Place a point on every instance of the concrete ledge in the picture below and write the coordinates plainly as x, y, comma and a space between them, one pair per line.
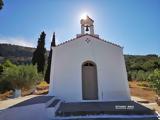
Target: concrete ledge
35, 100
51, 110
110, 117
97, 108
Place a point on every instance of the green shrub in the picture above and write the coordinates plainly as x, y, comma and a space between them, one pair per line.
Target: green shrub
22, 76
7, 63
154, 80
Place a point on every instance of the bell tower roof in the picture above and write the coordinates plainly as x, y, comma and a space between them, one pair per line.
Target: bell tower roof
87, 22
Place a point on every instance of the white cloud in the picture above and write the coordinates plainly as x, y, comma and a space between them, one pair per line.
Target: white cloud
17, 41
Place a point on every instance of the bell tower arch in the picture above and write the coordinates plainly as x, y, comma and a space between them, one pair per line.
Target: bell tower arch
87, 26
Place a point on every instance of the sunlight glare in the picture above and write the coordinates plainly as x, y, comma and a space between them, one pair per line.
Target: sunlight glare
84, 16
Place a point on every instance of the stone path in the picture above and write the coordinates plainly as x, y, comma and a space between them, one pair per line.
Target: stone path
10, 102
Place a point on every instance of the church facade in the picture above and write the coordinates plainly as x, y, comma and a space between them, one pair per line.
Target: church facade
88, 68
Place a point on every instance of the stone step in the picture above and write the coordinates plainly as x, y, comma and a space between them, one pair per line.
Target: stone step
54, 103
52, 108
35, 100
108, 117
100, 108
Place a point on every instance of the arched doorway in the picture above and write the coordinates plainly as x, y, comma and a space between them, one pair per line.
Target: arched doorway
89, 81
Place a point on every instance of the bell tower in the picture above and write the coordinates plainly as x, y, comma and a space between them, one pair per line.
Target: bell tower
87, 26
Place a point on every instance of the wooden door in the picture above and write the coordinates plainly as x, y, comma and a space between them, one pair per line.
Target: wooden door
89, 81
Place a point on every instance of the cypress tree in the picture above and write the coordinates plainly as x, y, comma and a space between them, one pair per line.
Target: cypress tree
47, 74
39, 54
1, 4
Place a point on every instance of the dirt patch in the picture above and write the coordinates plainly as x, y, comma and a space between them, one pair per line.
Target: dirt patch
141, 90
41, 89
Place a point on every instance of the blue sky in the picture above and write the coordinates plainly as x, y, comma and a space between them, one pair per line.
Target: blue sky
133, 24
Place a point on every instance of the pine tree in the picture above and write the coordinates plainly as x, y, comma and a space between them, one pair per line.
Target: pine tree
47, 74
39, 54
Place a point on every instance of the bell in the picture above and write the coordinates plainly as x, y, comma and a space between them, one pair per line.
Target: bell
87, 28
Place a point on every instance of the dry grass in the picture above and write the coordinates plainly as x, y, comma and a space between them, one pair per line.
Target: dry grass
5, 95
41, 88
141, 90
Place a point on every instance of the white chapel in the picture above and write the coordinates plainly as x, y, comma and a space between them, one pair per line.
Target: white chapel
88, 80
88, 68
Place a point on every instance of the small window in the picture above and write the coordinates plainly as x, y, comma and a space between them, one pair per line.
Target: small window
88, 64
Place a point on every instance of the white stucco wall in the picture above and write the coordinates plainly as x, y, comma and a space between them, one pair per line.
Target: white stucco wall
66, 74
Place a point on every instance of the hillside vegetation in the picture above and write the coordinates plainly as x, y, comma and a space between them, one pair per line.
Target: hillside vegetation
138, 66
17, 54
